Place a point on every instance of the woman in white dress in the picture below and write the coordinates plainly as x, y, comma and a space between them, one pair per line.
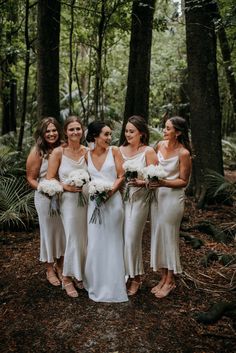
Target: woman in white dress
104, 270
52, 237
64, 160
174, 155
136, 149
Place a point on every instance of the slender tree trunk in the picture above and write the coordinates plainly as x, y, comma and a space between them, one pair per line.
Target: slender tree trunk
26, 75
205, 114
228, 66
48, 58
71, 55
137, 95
78, 85
98, 77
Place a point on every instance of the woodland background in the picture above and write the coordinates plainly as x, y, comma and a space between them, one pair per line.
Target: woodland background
108, 60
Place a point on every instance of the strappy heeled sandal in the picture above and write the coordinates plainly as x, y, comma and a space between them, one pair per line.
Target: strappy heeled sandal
134, 287
70, 289
58, 271
53, 279
165, 290
156, 288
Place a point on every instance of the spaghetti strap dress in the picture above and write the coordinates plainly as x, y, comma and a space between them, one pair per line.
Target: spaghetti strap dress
166, 214
74, 218
136, 214
52, 236
104, 270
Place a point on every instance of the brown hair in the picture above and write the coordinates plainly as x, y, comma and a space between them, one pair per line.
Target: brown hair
140, 123
41, 144
180, 124
72, 119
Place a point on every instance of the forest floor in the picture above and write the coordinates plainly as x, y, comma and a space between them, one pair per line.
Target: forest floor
37, 317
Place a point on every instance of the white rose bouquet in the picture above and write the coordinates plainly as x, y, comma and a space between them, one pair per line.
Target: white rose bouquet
79, 177
132, 171
53, 190
153, 173
98, 192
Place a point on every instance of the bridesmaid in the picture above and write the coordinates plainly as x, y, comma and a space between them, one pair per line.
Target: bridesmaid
64, 160
52, 237
174, 154
135, 148
104, 270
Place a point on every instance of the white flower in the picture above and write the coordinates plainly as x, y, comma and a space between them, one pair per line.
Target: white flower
153, 172
78, 178
131, 166
50, 187
99, 186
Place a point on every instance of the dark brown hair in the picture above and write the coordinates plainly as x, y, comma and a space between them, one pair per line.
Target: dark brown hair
94, 130
180, 124
140, 123
41, 144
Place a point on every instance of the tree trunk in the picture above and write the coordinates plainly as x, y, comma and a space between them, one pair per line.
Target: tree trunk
205, 114
137, 94
228, 66
26, 75
71, 55
48, 58
8, 83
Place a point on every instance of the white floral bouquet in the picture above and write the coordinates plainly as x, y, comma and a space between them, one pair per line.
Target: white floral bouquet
79, 178
53, 190
98, 192
132, 171
152, 173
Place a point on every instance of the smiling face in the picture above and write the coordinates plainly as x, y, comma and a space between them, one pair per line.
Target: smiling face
104, 138
170, 133
51, 135
74, 131
132, 134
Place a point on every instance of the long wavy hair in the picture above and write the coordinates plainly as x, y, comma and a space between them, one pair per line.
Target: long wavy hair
41, 144
140, 123
72, 119
180, 124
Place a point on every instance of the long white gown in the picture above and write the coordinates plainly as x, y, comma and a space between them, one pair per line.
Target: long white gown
104, 270
166, 216
52, 236
74, 219
136, 214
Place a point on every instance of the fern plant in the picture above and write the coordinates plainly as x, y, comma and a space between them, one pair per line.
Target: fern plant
17, 203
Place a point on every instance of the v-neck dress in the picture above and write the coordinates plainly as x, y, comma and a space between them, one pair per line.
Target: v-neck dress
104, 269
74, 218
136, 214
52, 236
166, 214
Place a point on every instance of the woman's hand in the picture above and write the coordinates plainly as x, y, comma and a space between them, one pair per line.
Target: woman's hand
136, 182
71, 188
155, 184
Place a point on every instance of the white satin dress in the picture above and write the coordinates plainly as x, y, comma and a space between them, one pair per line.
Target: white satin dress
136, 214
74, 219
52, 236
104, 270
166, 215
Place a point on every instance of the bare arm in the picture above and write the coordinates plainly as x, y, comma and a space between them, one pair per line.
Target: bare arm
33, 165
